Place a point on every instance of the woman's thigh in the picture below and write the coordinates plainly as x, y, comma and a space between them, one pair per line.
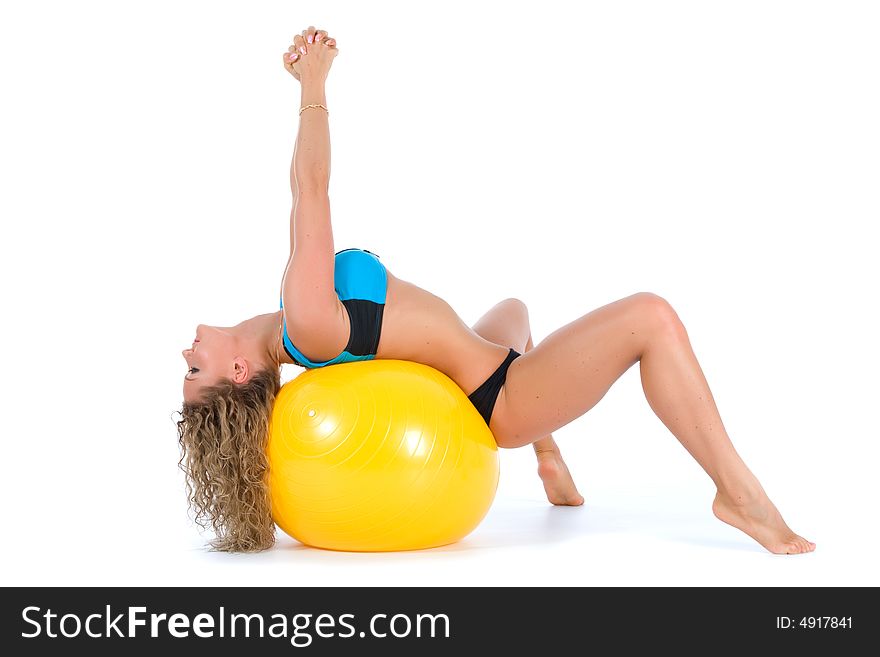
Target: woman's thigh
570, 370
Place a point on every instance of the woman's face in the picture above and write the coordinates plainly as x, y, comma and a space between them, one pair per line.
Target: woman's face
211, 357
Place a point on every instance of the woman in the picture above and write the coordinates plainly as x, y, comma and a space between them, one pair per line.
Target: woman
345, 306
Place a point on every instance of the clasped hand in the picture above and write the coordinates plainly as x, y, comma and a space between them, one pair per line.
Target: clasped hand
311, 55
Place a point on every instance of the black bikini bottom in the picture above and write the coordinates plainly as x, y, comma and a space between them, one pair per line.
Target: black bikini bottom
484, 397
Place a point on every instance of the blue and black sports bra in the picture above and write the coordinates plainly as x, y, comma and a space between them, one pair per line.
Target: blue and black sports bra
361, 283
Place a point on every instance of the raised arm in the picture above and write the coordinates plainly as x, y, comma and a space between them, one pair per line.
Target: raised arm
308, 280
310, 165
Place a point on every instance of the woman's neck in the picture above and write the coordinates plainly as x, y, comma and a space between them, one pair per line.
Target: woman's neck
266, 331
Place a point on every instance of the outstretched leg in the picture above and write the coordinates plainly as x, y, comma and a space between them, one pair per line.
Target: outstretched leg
507, 324
568, 372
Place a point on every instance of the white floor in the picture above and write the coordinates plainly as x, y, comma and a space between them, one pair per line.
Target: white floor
616, 539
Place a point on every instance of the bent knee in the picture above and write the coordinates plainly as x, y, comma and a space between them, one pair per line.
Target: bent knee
513, 301
515, 305
658, 313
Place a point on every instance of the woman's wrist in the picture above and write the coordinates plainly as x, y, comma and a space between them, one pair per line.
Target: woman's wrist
313, 92
313, 82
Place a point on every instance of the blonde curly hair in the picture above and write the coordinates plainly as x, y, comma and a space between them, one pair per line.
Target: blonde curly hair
223, 440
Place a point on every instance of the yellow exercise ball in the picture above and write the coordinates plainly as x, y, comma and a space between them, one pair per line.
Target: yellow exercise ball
379, 455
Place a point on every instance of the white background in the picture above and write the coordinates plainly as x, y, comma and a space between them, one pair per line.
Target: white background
722, 155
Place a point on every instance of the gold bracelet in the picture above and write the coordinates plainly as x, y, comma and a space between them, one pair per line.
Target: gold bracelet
305, 107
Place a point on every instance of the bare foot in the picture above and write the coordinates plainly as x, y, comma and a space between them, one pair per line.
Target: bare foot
558, 483
761, 520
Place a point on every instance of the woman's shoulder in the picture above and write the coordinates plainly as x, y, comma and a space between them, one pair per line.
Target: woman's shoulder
321, 340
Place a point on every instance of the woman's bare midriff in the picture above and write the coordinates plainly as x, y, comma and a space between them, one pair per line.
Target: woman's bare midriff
416, 326
421, 327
